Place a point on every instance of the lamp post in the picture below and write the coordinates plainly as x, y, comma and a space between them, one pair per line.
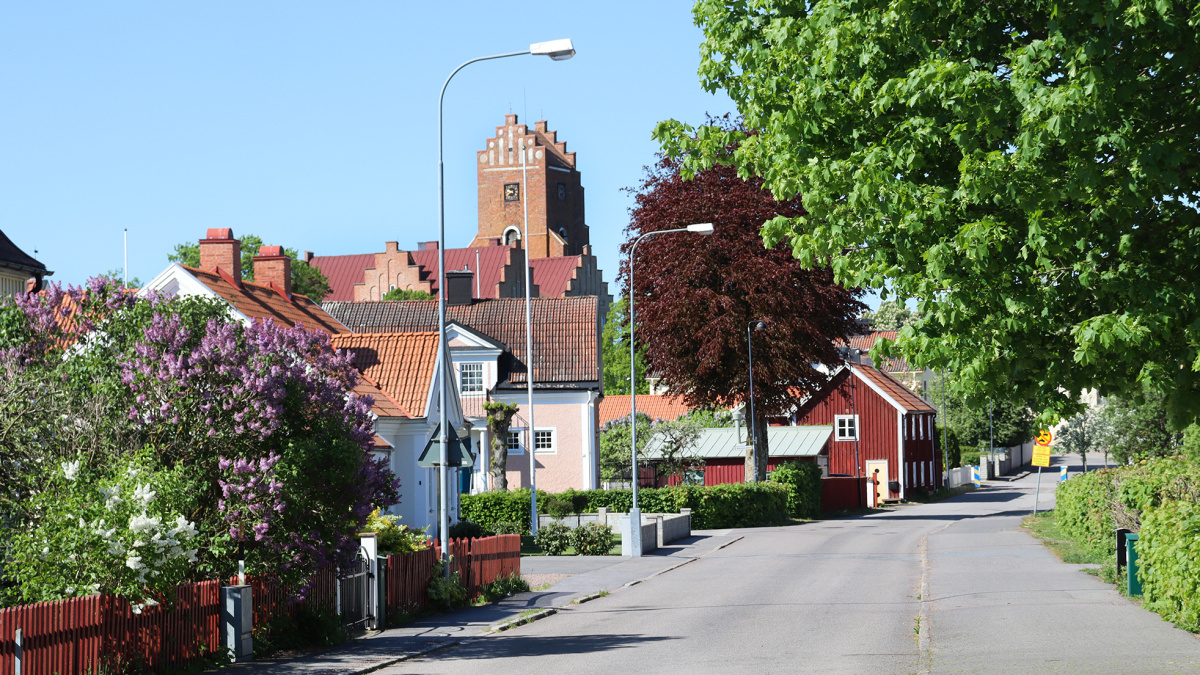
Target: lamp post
635, 514
752, 466
558, 50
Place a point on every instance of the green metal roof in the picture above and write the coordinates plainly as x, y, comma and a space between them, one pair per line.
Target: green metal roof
723, 443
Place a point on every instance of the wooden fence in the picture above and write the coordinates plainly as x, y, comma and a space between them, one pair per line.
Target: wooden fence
478, 561
98, 632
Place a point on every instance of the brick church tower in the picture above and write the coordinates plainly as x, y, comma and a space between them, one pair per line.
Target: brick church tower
554, 192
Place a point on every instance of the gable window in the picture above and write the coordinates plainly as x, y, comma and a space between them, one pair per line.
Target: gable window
544, 440
470, 378
845, 427
514, 442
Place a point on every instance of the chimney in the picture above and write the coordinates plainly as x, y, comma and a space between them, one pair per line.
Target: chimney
272, 266
427, 246
459, 287
308, 256
220, 249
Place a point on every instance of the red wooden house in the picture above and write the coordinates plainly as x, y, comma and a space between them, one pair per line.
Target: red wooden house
881, 430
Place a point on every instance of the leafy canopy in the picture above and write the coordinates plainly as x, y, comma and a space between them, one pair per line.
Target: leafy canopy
1026, 171
615, 347
696, 295
306, 279
397, 294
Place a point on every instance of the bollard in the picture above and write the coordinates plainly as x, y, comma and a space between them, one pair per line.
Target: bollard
1121, 532
631, 533
1133, 584
18, 654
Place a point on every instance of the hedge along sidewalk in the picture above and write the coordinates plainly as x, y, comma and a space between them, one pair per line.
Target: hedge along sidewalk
713, 506
446, 630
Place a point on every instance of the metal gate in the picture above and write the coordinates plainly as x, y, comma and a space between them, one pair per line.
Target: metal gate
354, 592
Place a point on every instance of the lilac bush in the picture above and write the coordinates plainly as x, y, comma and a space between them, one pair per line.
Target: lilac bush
262, 416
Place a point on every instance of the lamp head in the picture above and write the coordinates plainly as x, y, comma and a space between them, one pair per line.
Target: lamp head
701, 228
558, 50
759, 325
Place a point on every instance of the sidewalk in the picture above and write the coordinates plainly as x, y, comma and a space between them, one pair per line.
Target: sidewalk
587, 575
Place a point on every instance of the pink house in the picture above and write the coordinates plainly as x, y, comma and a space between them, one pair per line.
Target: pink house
490, 362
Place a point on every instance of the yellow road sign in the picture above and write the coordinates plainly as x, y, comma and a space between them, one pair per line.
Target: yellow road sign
1041, 455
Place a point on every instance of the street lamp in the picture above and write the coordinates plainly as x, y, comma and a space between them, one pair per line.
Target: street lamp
558, 50
635, 514
750, 328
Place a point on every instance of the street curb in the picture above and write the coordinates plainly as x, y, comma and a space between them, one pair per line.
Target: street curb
408, 657
522, 620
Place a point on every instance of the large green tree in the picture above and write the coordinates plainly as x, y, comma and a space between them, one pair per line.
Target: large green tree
1026, 170
615, 347
306, 279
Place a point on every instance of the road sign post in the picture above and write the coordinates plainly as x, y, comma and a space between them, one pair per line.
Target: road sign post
1041, 458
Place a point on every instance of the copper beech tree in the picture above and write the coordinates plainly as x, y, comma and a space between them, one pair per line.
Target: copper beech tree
697, 294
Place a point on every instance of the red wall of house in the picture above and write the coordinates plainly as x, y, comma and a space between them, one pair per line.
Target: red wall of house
732, 470
877, 435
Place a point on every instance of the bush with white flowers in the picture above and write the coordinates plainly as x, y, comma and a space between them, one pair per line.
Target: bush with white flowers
120, 529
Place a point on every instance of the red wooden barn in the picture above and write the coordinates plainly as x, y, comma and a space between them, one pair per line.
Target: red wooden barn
891, 428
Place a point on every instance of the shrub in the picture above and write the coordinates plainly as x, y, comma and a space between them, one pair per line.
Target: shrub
508, 527
1169, 553
593, 539
490, 508
804, 479
446, 591
394, 538
465, 529
1085, 509
553, 538
503, 587
559, 508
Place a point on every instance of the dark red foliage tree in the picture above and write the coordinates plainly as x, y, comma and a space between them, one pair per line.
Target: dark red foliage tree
697, 294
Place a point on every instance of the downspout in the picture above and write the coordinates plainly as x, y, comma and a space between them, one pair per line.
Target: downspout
900, 445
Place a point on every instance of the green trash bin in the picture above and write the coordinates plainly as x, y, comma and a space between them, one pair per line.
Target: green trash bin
1133, 584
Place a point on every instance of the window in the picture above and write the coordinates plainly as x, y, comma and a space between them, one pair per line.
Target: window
512, 192
846, 427
470, 378
562, 192
544, 440
514, 442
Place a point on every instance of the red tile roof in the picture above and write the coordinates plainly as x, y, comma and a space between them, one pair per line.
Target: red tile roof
343, 271
384, 406
655, 407
402, 364
490, 269
553, 275
866, 342
895, 389
257, 301
566, 337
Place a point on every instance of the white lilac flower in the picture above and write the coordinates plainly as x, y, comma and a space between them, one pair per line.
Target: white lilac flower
70, 469
191, 555
133, 472
184, 527
82, 524
134, 562
115, 548
144, 523
94, 588
46, 551
144, 494
112, 497
70, 590
136, 609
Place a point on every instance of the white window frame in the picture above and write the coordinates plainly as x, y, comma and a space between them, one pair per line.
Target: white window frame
462, 378
520, 434
553, 431
837, 427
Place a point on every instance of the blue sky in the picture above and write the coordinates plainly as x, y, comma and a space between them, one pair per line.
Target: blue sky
313, 125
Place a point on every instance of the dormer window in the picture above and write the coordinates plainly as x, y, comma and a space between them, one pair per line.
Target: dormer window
470, 378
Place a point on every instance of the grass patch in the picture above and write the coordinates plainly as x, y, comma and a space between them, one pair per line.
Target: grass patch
1044, 526
530, 548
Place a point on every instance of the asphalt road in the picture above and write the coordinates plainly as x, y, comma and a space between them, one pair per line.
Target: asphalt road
947, 587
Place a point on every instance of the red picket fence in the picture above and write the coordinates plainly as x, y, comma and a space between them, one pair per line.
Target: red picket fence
83, 634
478, 562
274, 600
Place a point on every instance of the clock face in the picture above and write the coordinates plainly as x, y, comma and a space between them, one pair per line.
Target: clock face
512, 192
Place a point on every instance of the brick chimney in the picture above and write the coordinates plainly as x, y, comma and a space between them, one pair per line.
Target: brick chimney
272, 266
220, 249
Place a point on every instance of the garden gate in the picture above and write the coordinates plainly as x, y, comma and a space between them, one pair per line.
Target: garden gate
354, 592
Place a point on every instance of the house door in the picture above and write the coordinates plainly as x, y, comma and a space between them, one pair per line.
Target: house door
877, 473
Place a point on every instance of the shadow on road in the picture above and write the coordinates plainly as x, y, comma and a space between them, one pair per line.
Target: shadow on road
526, 645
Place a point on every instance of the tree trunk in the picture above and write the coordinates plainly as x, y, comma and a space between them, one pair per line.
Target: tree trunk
756, 459
500, 462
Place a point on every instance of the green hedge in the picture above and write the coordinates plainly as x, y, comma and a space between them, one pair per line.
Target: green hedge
1169, 560
713, 507
804, 479
1084, 506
